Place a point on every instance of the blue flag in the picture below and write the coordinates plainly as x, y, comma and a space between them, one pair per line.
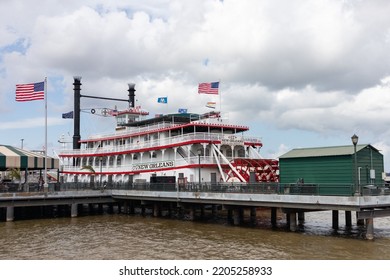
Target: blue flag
162, 100
68, 115
182, 111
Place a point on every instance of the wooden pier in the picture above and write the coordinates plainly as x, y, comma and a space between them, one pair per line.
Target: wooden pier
235, 200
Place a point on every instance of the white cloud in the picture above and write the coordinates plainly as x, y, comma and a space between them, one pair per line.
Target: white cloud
314, 66
282, 149
30, 123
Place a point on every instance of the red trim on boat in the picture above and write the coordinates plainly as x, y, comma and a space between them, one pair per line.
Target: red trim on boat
144, 171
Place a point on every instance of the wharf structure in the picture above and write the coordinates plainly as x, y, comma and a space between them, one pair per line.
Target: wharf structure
292, 200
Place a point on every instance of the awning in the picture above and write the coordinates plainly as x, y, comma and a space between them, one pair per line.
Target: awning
12, 157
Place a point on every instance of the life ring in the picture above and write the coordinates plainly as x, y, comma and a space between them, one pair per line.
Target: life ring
93, 111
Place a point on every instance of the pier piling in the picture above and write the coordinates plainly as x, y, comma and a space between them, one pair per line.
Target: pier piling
10, 213
301, 218
370, 228
74, 210
293, 221
253, 215
348, 218
273, 216
335, 219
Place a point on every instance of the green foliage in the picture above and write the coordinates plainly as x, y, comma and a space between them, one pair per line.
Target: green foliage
14, 173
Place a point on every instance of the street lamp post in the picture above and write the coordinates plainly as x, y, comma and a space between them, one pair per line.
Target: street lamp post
101, 169
200, 180
355, 140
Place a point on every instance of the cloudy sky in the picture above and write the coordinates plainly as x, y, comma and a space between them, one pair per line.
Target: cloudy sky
300, 73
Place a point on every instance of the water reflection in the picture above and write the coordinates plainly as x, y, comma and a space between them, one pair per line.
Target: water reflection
136, 237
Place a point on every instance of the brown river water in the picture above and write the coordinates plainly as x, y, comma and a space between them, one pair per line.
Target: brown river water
136, 237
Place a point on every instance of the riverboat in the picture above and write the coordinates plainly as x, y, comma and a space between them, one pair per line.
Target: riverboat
172, 148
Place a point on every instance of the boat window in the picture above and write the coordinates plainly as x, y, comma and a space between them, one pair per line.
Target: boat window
241, 152
121, 120
228, 152
111, 161
152, 155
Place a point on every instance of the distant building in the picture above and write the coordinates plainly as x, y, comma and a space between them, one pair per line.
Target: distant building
332, 165
386, 178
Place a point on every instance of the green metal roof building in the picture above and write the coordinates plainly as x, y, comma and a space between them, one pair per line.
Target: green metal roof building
332, 165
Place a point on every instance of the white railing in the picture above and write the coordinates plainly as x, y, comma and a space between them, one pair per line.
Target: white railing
134, 130
198, 136
148, 128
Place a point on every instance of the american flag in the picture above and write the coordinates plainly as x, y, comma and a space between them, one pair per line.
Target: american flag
29, 92
208, 88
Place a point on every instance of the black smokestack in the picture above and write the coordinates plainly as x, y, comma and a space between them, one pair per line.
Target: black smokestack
131, 91
76, 112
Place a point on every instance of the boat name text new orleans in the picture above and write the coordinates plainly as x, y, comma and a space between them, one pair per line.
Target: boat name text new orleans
153, 165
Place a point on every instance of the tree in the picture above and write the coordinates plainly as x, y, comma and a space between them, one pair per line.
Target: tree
14, 173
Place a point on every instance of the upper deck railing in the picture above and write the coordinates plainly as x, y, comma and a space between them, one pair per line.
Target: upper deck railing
150, 128
135, 130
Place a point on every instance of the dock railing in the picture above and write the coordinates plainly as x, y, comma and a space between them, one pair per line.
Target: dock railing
331, 189
258, 188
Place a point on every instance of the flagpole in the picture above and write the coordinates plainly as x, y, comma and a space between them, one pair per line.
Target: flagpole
220, 98
45, 185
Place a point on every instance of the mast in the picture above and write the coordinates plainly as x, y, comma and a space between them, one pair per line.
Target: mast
76, 113
131, 91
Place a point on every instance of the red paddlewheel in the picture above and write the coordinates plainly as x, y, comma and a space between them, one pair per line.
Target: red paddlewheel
266, 170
